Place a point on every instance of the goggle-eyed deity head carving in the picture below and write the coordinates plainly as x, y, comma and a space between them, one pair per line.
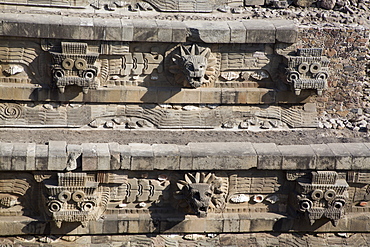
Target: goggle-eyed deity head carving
324, 195
72, 198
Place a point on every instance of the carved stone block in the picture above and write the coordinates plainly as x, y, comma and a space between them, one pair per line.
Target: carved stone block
57, 155
321, 195
307, 70
268, 154
290, 154
74, 65
260, 34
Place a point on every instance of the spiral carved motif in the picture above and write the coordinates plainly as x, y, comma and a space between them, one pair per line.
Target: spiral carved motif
10, 111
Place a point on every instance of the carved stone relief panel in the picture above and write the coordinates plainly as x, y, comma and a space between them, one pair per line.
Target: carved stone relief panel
93, 64
359, 190
149, 72
197, 6
189, 65
17, 192
192, 65
200, 192
75, 64
22, 62
51, 3
74, 197
257, 191
203, 6
187, 5
248, 65
308, 69
81, 198
156, 116
126, 64
320, 194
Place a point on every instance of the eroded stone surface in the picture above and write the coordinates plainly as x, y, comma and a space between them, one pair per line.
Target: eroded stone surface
143, 67
79, 195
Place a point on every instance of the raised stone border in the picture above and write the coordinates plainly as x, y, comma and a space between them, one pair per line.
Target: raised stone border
153, 95
172, 223
239, 240
114, 29
194, 156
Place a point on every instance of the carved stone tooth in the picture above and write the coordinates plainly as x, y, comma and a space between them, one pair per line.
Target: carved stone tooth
61, 89
58, 223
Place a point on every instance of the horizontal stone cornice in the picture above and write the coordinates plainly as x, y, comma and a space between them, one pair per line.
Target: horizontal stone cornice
148, 30
58, 156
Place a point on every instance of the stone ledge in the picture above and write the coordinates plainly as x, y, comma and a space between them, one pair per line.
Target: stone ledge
133, 94
58, 155
146, 223
115, 29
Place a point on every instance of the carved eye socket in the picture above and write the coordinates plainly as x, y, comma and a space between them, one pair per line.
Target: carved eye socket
64, 196
303, 68
196, 195
322, 76
54, 206
88, 206
315, 68
78, 196
80, 64
58, 73
189, 66
89, 74
67, 63
209, 194
338, 204
329, 195
305, 205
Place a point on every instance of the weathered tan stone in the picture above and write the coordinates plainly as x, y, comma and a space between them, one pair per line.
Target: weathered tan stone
115, 158
325, 158
260, 31
104, 157
297, 157
166, 157
142, 156
215, 156
342, 155
89, 157
57, 156
19, 156
269, 156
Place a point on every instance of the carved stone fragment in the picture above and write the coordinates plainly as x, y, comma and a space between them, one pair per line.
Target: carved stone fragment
321, 194
193, 65
16, 194
73, 197
308, 69
74, 64
199, 192
183, 5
